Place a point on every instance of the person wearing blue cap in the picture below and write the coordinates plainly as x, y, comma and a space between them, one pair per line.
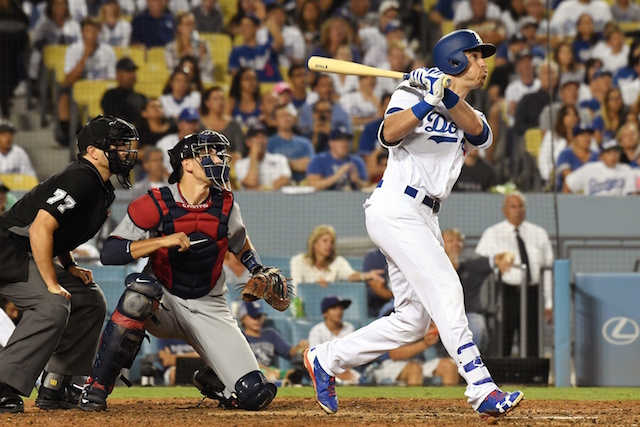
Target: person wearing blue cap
606, 177
576, 154
188, 123
336, 169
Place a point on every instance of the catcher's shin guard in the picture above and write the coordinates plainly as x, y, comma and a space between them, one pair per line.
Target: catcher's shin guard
124, 332
254, 392
206, 380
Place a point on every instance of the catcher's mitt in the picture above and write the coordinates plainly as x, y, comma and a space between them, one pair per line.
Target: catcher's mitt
269, 284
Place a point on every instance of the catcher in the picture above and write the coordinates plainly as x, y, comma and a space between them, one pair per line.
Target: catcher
186, 229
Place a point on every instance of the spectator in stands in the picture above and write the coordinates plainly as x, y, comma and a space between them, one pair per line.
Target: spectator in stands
629, 82
393, 34
505, 69
336, 169
293, 48
569, 13
297, 149
256, 8
398, 58
536, 9
606, 177
244, 98
54, 27
187, 42
268, 104
344, 83
528, 27
298, 83
13, 158
568, 67
531, 247
122, 101
585, 39
333, 327
613, 114
154, 27
628, 138
527, 112
4, 198
309, 21
189, 64
14, 40
490, 30
369, 147
625, 11
599, 82
262, 58
577, 154
512, 15
153, 165
178, 94
477, 174
336, 32
613, 52
322, 118
412, 364
262, 170
569, 90
473, 272
322, 265
213, 117
378, 293
188, 123
323, 89
363, 104
116, 31
266, 343
85, 59
562, 134
282, 92
628, 72
209, 17
154, 125
464, 11
169, 349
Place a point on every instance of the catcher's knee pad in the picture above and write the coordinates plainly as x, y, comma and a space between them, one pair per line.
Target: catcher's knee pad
124, 332
254, 392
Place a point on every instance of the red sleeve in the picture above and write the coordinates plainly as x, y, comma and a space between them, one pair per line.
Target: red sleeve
144, 212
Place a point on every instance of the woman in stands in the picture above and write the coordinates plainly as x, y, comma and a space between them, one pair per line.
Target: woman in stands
321, 263
187, 42
213, 117
569, 68
178, 94
116, 31
244, 98
613, 114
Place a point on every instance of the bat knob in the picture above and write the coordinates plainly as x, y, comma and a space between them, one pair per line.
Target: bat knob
405, 76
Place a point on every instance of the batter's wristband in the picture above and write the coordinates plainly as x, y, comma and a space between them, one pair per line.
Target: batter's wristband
71, 264
450, 99
251, 260
421, 109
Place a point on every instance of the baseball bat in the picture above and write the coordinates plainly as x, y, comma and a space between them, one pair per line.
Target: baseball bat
336, 66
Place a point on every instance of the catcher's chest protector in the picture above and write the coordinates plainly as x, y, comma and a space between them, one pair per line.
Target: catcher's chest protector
194, 272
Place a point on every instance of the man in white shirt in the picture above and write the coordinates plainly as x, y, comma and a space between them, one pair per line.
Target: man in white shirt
261, 169
85, 59
13, 158
526, 83
188, 123
607, 177
567, 13
531, 246
153, 165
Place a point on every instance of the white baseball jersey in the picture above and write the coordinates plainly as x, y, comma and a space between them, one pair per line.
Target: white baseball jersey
597, 179
431, 157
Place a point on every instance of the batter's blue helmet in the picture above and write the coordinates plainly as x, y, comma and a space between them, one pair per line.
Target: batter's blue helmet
449, 55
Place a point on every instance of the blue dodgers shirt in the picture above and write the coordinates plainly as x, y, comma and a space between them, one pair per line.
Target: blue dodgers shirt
269, 345
326, 165
296, 148
568, 160
153, 32
261, 58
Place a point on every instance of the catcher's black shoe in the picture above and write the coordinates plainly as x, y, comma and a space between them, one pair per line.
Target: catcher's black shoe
93, 399
65, 398
10, 400
211, 387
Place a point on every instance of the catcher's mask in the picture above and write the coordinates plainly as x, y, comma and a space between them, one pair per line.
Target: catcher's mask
113, 136
202, 146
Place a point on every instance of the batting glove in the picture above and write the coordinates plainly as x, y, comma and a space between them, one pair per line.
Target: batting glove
431, 80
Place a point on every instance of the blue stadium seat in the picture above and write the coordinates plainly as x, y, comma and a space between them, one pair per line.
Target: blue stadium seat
312, 295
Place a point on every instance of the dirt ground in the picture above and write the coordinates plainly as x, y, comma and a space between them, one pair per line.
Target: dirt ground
305, 412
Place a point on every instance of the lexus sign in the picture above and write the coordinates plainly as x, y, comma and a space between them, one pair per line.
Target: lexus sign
620, 330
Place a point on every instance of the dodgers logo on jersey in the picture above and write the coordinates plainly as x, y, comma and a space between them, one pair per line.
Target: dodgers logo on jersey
442, 130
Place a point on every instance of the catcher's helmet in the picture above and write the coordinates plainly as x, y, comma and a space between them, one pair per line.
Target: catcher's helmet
105, 133
201, 146
448, 53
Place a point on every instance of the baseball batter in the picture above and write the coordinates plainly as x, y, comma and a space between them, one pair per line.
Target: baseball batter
428, 130
186, 230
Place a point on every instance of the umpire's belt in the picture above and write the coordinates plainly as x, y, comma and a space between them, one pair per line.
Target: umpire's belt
412, 192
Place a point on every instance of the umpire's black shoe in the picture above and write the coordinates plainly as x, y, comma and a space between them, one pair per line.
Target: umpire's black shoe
93, 399
10, 400
65, 398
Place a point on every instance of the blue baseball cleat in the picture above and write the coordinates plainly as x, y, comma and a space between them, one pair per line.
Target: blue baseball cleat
323, 384
498, 403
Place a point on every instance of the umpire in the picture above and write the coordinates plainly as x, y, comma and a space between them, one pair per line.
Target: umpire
63, 309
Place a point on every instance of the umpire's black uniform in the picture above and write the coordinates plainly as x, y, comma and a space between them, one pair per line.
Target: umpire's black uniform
64, 333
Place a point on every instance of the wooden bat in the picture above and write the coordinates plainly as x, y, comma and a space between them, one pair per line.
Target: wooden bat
336, 66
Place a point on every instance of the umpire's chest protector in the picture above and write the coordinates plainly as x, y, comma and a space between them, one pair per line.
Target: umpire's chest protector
194, 272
